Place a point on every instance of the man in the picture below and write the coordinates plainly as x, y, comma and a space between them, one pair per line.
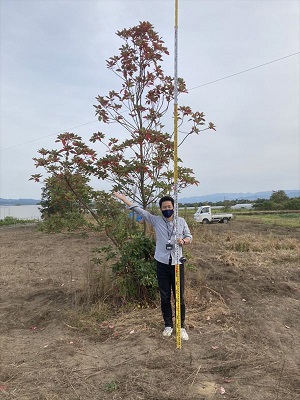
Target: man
165, 256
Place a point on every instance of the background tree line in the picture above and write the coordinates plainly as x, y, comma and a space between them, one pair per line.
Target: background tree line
278, 201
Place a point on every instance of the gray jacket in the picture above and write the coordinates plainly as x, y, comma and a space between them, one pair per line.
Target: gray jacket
165, 233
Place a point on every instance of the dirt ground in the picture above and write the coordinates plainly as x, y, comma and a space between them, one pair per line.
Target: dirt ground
243, 319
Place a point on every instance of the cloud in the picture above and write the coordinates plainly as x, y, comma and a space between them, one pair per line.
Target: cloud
53, 65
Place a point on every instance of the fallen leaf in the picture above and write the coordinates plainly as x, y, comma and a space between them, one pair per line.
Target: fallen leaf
2, 387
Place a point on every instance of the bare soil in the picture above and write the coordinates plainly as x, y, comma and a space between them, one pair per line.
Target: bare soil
243, 319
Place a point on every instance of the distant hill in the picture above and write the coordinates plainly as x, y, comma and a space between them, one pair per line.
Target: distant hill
214, 198
18, 202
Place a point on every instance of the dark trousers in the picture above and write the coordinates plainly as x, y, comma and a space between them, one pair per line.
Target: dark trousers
166, 284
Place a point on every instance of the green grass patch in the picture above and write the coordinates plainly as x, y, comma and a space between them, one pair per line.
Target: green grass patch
291, 220
111, 386
7, 221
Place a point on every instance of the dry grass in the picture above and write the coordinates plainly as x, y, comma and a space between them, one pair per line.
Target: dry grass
242, 295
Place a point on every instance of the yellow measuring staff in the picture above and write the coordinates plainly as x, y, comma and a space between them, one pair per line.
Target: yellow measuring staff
177, 265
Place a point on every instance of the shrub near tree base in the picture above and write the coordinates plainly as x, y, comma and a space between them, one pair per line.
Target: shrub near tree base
136, 268
131, 257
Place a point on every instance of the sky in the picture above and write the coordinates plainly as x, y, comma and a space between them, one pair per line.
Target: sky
53, 65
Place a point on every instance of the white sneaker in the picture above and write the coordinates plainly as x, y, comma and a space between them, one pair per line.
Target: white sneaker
183, 334
167, 331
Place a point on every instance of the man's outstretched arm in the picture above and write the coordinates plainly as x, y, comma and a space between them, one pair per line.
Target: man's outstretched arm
135, 207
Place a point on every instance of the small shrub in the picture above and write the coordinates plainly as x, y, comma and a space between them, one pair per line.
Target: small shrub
127, 272
136, 269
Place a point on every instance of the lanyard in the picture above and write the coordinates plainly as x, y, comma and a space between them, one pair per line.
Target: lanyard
168, 231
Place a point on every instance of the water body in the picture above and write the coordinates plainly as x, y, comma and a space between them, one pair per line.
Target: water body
20, 212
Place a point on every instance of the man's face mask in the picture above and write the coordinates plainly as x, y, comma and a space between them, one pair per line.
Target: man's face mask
167, 213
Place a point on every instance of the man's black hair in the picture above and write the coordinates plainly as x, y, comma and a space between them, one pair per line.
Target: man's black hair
166, 198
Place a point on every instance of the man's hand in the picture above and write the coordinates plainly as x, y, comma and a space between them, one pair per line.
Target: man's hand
123, 198
183, 241
119, 195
